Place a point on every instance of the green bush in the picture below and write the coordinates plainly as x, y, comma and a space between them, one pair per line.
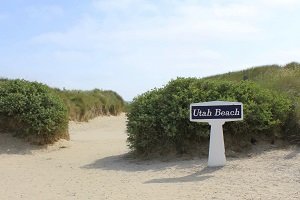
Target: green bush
158, 120
33, 111
284, 79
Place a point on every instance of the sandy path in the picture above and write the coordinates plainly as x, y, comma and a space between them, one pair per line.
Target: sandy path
93, 166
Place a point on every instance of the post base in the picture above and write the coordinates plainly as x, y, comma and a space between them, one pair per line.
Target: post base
216, 157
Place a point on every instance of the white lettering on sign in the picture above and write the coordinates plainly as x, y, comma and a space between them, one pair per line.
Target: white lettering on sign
219, 112
199, 112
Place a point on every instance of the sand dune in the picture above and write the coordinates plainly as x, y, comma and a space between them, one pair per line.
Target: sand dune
95, 165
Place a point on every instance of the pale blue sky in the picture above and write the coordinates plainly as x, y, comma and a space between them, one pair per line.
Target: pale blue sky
131, 46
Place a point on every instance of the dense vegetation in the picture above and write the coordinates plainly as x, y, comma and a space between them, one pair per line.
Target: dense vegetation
284, 79
40, 114
158, 120
85, 105
32, 111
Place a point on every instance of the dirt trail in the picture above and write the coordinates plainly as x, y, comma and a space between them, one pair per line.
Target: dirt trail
93, 165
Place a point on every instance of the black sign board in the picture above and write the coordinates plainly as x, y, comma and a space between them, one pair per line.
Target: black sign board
228, 112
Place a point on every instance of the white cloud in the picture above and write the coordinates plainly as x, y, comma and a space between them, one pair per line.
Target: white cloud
185, 22
170, 43
85, 35
174, 38
235, 10
282, 3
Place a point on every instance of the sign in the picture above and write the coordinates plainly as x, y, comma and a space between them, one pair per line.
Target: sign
216, 113
228, 111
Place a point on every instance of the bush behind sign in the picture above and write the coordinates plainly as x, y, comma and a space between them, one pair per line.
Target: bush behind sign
159, 119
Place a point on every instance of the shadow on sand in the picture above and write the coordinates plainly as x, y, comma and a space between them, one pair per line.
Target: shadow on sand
126, 162
13, 145
195, 177
293, 154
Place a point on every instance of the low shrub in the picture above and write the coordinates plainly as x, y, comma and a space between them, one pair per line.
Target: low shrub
158, 120
33, 111
284, 79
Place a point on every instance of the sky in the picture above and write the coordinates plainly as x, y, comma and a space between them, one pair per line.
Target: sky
132, 46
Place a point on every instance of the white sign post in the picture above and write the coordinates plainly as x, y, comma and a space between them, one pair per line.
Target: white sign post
216, 113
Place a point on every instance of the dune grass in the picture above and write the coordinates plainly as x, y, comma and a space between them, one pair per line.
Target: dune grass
284, 79
85, 105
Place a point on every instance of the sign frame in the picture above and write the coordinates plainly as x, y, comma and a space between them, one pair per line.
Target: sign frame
216, 103
216, 156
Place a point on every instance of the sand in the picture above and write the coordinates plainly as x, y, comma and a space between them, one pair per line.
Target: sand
94, 165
